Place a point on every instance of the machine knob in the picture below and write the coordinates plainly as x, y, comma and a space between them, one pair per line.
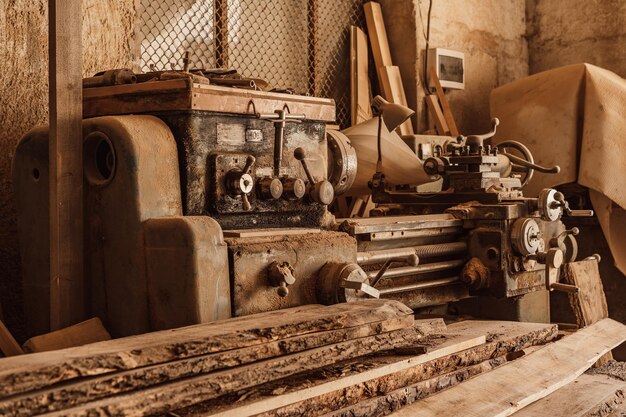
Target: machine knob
293, 188
270, 188
241, 183
321, 192
281, 276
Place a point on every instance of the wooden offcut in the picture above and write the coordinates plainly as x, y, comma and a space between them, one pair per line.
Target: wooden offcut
491, 394
66, 163
88, 331
589, 304
377, 34
441, 125
361, 109
8, 344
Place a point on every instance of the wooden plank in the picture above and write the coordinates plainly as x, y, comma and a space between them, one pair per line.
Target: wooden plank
588, 395
196, 389
448, 347
66, 163
22, 374
393, 90
181, 94
528, 375
435, 111
361, 109
447, 113
377, 34
504, 338
91, 389
89, 331
8, 344
589, 304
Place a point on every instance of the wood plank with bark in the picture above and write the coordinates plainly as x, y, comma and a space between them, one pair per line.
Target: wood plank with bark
21, 374
196, 389
274, 398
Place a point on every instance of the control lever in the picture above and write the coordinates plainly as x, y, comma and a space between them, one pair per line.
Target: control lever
554, 170
553, 259
560, 202
280, 118
281, 276
567, 243
411, 260
322, 191
240, 182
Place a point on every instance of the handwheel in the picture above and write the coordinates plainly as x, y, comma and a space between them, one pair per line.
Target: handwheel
521, 165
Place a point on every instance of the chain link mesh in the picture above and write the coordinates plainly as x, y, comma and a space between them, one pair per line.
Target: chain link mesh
299, 44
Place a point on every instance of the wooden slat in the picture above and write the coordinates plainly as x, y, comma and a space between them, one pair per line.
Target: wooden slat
505, 338
26, 373
435, 111
510, 388
589, 304
89, 331
393, 90
588, 395
92, 389
359, 77
192, 390
447, 113
66, 163
174, 95
448, 347
377, 34
8, 344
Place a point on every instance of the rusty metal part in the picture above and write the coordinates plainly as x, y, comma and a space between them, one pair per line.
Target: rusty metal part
571, 289
110, 77
476, 274
419, 286
281, 276
423, 251
341, 282
234, 82
280, 118
525, 236
410, 260
419, 269
342, 161
239, 182
293, 188
270, 188
322, 191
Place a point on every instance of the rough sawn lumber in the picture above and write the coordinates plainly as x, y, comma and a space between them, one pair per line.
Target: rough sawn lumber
510, 388
26, 373
275, 397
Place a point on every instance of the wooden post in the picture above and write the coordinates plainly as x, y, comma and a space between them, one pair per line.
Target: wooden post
66, 163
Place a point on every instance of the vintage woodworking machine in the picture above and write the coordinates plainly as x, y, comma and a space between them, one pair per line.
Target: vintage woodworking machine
204, 202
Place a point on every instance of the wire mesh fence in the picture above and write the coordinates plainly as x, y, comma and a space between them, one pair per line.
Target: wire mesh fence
303, 45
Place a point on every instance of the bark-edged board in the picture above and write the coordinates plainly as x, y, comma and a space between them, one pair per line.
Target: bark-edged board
526, 380
90, 389
196, 389
503, 338
25, 373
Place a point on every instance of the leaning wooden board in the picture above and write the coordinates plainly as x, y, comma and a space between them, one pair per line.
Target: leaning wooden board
21, 374
512, 387
589, 303
346, 384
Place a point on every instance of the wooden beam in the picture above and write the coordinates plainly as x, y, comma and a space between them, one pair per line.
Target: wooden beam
435, 111
8, 345
378, 35
66, 163
527, 375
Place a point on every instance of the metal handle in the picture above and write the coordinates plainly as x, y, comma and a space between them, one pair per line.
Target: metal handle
411, 260
554, 170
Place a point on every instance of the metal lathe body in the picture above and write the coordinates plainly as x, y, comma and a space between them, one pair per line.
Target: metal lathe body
204, 202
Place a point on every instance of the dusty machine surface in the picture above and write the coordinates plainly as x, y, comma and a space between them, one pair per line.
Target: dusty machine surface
204, 202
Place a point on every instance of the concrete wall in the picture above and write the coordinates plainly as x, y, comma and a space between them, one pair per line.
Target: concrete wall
489, 32
562, 33
108, 42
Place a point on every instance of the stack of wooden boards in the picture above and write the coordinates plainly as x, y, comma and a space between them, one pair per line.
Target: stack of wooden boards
365, 358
